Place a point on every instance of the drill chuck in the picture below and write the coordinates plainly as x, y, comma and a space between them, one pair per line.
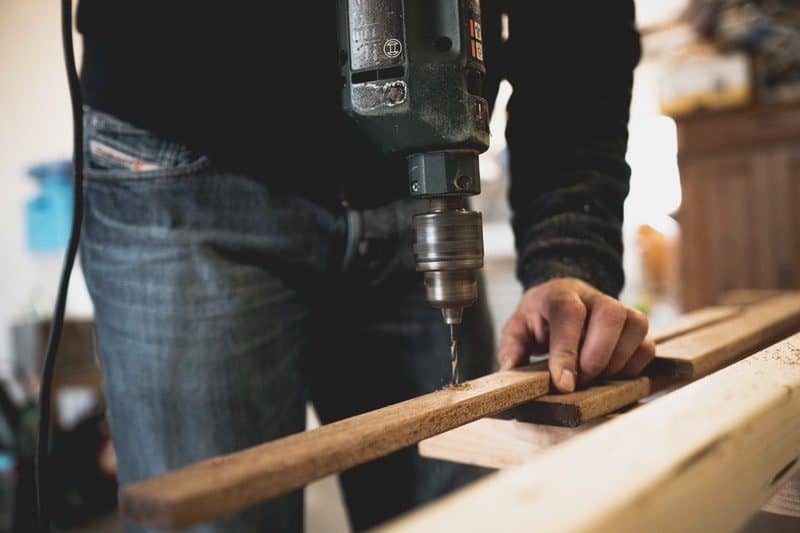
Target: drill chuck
448, 248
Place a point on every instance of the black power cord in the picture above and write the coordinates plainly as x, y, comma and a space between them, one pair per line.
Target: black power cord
45, 391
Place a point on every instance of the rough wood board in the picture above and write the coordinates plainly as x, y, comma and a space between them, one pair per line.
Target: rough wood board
709, 349
496, 443
701, 459
692, 321
686, 357
221, 485
581, 406
738, 297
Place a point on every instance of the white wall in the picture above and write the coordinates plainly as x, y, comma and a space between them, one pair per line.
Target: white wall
35, 126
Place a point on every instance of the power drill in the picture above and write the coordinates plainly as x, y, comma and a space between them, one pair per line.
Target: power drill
413, 75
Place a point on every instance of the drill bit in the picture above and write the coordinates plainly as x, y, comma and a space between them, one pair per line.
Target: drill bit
453, 354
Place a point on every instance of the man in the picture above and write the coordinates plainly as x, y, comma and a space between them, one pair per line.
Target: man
248, 250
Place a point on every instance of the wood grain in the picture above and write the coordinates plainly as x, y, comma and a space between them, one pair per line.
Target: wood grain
692, 321
703, 458
221, 485
709, 349
739, 297
683, 358
496, 443
581, 406
739, 181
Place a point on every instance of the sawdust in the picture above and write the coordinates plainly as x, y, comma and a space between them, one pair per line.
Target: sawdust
457, 386
782, 356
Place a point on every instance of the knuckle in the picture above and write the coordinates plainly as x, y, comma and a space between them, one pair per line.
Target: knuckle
649, 352
592, 366
638, 321
610, 311
566, 353
568, 306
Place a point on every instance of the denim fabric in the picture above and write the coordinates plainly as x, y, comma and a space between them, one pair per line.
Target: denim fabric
223, 306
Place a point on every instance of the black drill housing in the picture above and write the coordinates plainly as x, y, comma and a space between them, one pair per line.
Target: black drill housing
413, 75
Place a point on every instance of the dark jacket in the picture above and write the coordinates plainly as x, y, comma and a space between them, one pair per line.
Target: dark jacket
256, 85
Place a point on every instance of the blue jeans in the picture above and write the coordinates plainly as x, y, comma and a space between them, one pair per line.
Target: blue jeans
223, 306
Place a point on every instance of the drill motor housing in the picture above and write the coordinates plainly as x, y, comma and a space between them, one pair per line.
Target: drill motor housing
412, 74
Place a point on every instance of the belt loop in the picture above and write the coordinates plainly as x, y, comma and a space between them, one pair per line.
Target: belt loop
354, 232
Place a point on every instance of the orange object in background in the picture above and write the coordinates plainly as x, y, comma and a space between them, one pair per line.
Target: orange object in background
658, 258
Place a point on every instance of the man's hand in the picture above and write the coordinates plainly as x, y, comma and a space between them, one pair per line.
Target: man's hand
555, 315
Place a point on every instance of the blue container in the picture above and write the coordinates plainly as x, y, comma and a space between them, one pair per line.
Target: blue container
48, 216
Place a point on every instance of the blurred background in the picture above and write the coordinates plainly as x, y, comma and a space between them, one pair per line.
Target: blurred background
715, 154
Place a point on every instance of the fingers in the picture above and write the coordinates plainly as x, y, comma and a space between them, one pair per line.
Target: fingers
555, 314
631, 338
640, 359
607, 318
565, 313
514, 342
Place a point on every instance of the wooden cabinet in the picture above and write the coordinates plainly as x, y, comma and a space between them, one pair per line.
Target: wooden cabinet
740, 179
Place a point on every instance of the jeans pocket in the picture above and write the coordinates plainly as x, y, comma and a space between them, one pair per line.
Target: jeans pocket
117, 150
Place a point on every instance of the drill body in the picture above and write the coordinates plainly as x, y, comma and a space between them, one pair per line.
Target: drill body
412, 73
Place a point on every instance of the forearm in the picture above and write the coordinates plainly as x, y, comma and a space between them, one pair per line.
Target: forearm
571, 66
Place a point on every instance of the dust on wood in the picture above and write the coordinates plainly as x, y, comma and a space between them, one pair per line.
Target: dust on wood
788, 355
457, 386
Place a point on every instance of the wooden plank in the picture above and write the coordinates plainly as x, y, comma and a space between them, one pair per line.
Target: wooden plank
583, 405
709, 349
692, 321
221, 485
686, 357
497, 443
738, 297
703, 458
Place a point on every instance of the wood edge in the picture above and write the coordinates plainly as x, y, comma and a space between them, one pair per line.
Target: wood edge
517, 442
547, 413
626, 393
771, 392
727, 312
663, 367
747, 297
564, 411
139, 505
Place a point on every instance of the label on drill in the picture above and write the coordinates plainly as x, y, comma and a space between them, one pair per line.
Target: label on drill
376, 33
475, 31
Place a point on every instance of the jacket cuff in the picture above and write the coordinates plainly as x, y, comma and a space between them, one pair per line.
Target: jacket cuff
598, 274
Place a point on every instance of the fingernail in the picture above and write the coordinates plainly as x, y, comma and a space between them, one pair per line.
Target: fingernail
567, 380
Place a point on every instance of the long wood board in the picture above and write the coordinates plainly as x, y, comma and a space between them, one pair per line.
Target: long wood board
692, 321
709, 349
703, 458
683, 358
497, 443
221, 485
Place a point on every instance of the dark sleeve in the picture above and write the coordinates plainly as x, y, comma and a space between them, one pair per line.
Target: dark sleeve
571, 66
